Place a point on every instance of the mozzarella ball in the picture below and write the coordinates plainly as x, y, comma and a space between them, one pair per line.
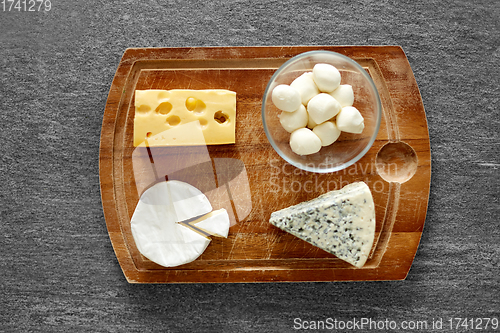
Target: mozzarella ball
294, 120
344, 95
310, 123
306, 87
286, 98
304, 142
327, 132
350, 120
326, 77
323, 107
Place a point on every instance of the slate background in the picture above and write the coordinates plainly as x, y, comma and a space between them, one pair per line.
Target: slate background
58, 271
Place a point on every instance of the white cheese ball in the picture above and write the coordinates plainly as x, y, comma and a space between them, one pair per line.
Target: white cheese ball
350, 120
344, 95
306, 87
327, 132
286, 98
326, 77
304, 142
323, 107
310, 123
294, 120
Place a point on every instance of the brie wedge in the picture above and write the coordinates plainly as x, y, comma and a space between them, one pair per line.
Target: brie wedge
215, 223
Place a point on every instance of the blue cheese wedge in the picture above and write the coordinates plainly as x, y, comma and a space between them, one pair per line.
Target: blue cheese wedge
341, 222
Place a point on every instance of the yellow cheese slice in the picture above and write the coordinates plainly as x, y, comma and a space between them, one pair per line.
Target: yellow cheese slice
159, 111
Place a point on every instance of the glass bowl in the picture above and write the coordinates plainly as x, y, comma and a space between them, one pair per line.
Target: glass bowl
348, 148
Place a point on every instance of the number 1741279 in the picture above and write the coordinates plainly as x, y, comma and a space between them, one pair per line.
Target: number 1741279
474, 323
26, 5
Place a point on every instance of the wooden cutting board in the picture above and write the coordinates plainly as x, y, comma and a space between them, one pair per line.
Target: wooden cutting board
250, 180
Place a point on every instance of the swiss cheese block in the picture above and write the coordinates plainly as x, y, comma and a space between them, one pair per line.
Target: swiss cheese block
341, 222
157, 112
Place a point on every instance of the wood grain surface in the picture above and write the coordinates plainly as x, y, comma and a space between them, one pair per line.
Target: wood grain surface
396, 168
58, 269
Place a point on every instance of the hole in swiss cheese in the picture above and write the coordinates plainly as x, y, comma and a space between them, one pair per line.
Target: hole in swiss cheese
173, 120
164, 108
221, 117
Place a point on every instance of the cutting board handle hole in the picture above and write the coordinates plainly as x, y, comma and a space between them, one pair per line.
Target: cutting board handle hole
396, 162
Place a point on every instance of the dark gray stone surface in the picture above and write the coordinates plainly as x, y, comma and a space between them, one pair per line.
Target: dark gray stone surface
58, 271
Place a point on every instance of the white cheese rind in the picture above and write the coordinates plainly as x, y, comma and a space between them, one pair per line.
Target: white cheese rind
340, 222
215, 223
157, 235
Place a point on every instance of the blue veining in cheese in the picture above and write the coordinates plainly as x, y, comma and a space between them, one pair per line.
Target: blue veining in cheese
340, 222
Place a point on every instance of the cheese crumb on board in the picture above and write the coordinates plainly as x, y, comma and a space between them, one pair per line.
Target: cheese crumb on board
159, 111
341, 222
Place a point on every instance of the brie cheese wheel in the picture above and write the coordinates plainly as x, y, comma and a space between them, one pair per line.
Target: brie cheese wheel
155, 228
341, 222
